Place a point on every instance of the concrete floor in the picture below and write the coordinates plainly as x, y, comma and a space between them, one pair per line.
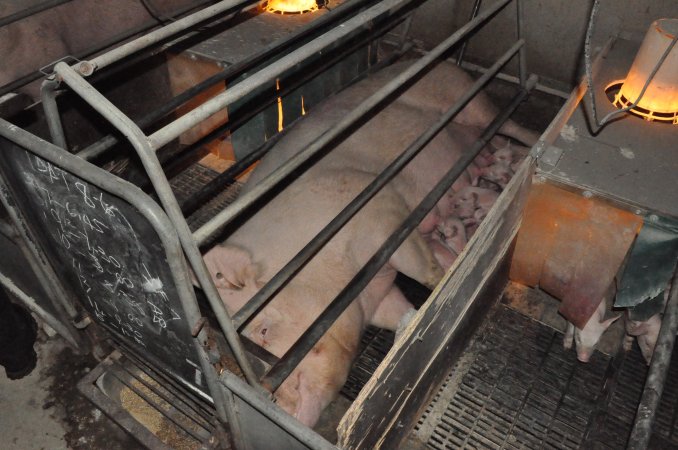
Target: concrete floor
44, 410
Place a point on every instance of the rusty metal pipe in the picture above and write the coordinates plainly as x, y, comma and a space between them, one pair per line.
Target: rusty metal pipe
659, 369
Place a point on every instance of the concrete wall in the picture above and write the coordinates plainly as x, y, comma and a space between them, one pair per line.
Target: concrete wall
554, 30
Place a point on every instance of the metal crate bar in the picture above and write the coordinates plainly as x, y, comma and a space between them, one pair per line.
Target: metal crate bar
264, 295
153, 168
208, 230
108, 58
99, 148
151, 212
659, 368
271, 72
279, 372
9, 87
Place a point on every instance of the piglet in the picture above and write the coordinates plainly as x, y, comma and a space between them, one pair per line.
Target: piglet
587, 339
646, 331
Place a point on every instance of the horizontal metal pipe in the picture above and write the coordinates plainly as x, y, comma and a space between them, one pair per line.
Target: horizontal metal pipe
282, 369
35, 9
98, 148
273, 71
280, 279
243, 202
161, 34
24, 80
659, 369
192, 203
273, 412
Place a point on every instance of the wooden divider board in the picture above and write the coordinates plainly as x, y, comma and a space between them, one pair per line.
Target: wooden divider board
391, 402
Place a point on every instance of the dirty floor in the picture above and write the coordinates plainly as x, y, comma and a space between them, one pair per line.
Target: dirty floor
44, 410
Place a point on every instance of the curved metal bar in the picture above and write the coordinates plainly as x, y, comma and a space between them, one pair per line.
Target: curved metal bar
243, 202
280, 279
180, 230
48, 94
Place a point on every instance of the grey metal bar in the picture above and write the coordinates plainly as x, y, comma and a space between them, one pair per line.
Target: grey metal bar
35, 9
273, 71
7, 230
48, 93
659, 369
34, 306
150, 162
281, 278
282, 369
170, 413
24, 80
36, 258
149, 210
272, 411
205, 232
98, 148
522, 55
108, 58
474, 13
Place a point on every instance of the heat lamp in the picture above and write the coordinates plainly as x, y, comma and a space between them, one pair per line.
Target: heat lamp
659, 100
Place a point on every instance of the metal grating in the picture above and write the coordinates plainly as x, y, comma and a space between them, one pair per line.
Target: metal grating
374, 346
516, 387
190, 181
520, 389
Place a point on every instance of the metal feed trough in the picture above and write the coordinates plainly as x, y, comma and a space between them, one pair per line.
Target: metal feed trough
114, 256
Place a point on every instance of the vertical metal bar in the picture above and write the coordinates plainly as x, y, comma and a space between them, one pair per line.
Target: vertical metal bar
522, 58
281, 370
462, 50
153, 214
150, 162
38, 261
281, 278
246, 200
659, 369
48, 93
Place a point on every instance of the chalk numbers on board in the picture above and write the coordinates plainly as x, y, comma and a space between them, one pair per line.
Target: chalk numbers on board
85, 225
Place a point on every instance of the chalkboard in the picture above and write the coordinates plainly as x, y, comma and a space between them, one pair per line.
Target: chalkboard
110, 257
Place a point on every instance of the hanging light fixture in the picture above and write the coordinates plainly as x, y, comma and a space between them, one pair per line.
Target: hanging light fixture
290, 6
651, 86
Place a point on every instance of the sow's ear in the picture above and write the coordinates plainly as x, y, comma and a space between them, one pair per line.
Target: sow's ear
230, 267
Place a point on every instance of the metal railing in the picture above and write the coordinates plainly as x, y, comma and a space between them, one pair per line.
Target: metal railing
146, 146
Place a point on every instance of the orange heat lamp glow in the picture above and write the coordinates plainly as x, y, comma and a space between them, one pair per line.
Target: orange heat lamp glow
280, 107
291, 6
660, 100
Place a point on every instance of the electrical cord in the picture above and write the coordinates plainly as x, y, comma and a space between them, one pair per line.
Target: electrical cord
589, 77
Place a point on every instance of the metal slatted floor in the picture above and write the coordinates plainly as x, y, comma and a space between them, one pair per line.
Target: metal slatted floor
516, 387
